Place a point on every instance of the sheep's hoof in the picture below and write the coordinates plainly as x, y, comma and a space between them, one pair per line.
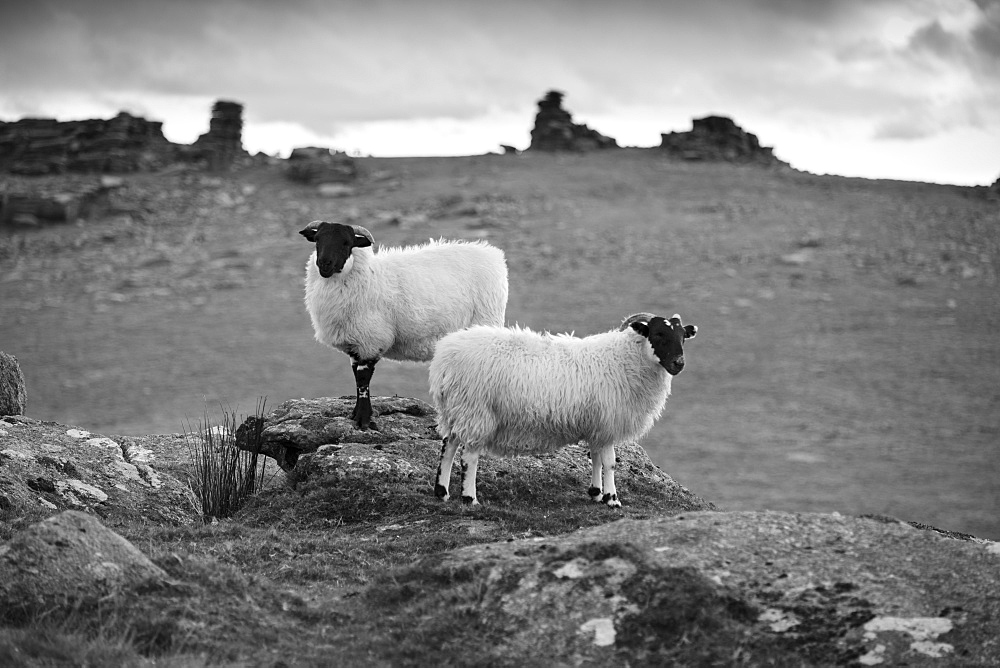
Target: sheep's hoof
441, 492
362, 417
470, 500
364, 424
595, 494
611, 500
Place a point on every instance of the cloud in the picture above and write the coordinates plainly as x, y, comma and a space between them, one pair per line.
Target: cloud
878, 68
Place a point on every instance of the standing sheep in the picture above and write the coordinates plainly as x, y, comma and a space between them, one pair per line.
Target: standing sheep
399, 302
512, 391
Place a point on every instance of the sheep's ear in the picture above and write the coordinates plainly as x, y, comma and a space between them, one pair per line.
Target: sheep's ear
641, 327
690, 331
361, 241
309, 233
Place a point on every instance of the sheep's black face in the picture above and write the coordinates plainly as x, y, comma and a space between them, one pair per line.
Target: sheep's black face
334, 243
667, 338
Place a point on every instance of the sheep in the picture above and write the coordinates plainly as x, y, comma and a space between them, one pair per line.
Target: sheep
396, 303
512, 391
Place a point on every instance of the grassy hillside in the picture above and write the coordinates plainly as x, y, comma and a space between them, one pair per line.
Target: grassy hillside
847, 358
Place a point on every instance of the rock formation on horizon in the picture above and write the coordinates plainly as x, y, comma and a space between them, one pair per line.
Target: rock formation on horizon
222, 145
125, 143
718, 138
315, 165
555, 130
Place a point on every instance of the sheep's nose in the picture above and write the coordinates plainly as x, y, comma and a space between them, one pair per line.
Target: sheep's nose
325, 269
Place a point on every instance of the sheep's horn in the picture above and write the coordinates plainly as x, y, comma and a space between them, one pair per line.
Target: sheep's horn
364, 232
635, 317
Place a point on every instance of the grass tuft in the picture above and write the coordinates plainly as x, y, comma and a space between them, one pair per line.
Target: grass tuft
225, 476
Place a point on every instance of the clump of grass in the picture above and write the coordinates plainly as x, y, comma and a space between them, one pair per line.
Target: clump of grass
225, 476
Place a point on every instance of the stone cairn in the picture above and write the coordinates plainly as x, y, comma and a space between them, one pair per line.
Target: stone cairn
555, 130
222, 146
718, 138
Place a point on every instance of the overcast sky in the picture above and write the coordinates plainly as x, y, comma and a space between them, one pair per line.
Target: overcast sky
876, 88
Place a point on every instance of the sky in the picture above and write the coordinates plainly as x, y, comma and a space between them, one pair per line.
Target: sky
874, 88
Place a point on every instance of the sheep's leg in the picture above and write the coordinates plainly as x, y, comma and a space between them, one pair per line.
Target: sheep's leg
595, 477
363, 371
470, 465
608, 461
448, 448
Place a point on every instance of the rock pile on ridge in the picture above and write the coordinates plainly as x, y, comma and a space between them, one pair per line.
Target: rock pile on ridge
718, 138
314, 165
123, 144
222, 145
555, 130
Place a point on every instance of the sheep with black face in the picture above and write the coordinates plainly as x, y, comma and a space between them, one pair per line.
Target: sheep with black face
399, 302
512, 391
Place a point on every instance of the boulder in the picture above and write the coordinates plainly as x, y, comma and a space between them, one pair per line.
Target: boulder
68, 561
13, 398
316, 443
45, 467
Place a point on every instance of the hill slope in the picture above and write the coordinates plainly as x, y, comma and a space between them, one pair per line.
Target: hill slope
847, 357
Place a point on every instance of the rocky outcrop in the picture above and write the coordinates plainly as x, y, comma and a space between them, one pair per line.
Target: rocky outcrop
222, 146
706, 588
555, 130
300, 426
13, 397
47, 467
718, 138
361, 564
315, 441
313, 165
68, 561
125, 143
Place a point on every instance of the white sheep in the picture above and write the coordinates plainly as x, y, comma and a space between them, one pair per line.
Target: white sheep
399, 302
512, 391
